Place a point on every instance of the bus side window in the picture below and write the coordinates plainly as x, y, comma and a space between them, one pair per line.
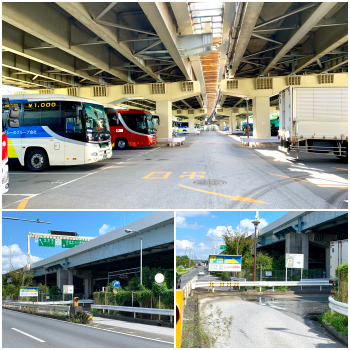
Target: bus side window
32, 114
112, 119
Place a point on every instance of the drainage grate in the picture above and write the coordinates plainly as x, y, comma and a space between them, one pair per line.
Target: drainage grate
209, 183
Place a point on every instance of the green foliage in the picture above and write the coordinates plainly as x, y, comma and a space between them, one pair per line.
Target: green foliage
204, 326
261, 260
342, 293
21, 278
148, 278
166, 295
123, 296
184, 261
42, 289
224, 276
279, 263
54, 291
10, 289
338, 321
96, 311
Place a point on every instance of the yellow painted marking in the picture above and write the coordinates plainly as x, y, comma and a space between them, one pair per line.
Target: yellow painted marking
193, 174
294, 178
157, 178
339, 168
234, 198
22, 205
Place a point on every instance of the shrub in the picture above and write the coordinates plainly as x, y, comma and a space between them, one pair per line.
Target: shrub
338, 321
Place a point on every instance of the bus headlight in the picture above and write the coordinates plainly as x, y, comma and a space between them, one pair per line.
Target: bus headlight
95, 154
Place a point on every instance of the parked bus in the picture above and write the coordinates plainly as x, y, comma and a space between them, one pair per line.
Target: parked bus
132, 127
57, 130
12, 121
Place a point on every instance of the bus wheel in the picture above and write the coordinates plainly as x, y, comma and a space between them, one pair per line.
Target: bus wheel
37, 160
121, 143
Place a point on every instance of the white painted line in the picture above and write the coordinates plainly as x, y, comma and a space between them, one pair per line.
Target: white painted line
46, 173
19, 194
28, 335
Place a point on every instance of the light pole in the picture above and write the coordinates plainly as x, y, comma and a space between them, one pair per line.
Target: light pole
256, 222
132, 231
10, 250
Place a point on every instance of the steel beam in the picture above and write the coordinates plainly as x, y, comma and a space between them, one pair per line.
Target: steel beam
309, 23
109, 7
250, 15
162, 22
83, 13
336, 66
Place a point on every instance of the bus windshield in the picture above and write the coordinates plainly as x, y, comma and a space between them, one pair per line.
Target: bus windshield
96, 122
139, 122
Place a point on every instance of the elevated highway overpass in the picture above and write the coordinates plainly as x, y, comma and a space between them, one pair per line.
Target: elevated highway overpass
87, 265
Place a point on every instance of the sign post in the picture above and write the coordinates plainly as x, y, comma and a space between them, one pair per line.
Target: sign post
294, 261
68, 289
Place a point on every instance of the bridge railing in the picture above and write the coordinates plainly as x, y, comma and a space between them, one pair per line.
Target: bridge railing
136, 310
338, 306
272, 284
20, 305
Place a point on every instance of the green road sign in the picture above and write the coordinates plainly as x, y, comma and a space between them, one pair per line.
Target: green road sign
71, 243
223, 247
46, 242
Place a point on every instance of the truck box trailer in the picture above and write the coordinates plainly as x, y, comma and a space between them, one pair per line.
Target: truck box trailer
314, 120
338, 255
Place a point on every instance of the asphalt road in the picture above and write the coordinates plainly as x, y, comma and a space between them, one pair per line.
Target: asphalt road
188, 276
259, 326
166, 178
20, 330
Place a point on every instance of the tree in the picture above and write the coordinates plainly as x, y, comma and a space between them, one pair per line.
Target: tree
279, 263
54, 291
234, 239
10, 289
21, 278
42, 289
263, 260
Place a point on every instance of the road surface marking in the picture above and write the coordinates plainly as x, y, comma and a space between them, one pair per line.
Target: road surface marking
148, 177
192, 175
46, 173
339, 168
324, 185
19, 194
234, 198
28, 335
24, 202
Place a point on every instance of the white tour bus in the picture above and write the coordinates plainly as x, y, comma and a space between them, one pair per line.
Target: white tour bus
57, 130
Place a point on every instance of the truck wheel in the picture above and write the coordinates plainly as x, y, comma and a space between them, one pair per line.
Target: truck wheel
121, 143
37, 160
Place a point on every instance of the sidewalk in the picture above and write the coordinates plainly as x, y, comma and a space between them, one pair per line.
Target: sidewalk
153, 332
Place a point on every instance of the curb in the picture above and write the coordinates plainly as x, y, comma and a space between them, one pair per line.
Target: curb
136, 320
339, 335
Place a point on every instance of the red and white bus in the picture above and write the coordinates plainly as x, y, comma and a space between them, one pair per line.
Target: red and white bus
132, 127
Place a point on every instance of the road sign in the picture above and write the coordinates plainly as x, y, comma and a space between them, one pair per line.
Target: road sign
268, 273
28, 291
71, 243
225, 263
46, 242
115, 290
63, 233
223, 247
116, 284
294, 261
68, 289
57, 241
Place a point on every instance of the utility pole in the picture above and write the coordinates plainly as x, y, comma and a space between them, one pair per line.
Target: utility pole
256, 222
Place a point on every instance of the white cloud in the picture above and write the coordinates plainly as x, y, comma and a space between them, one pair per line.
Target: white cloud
182, 223
18, 257
183, 244
105, 229
215, 234
248, 226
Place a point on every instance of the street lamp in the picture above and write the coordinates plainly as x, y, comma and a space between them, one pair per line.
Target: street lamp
255, 222
10, 250
132, 231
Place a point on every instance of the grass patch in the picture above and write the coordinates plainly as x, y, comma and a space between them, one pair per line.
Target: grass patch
96, 311
338, 321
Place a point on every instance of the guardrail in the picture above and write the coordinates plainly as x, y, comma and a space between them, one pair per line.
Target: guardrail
338, 306
82, 301
19, 305
260, 284
136, 310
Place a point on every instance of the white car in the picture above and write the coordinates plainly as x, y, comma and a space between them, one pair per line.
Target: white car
201, 273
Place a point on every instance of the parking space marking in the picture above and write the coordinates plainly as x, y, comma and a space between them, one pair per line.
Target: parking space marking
234, 198
192, 175
324, 185
148, 177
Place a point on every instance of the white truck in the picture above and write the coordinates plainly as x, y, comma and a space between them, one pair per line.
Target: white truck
338, 255
314, 120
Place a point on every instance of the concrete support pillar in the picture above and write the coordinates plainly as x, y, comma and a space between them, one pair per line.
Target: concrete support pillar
87, 287
298, 243
234, 121
164, 111
221, 124
261, 117
191, 121
64, 277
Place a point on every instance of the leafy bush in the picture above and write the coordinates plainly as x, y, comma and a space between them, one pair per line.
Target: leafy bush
342, 294
338, 321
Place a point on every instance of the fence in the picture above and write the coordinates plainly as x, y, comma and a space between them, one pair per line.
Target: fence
136, 310
337, 306
275, 275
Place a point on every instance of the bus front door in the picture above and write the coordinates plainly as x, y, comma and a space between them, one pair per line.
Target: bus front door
74, 142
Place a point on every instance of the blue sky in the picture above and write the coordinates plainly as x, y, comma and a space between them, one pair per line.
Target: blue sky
202, 230
85, 223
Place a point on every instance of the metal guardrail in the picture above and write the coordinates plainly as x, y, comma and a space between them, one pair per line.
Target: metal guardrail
338, 306
262, 284
81, 301
19, 305
136, 310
